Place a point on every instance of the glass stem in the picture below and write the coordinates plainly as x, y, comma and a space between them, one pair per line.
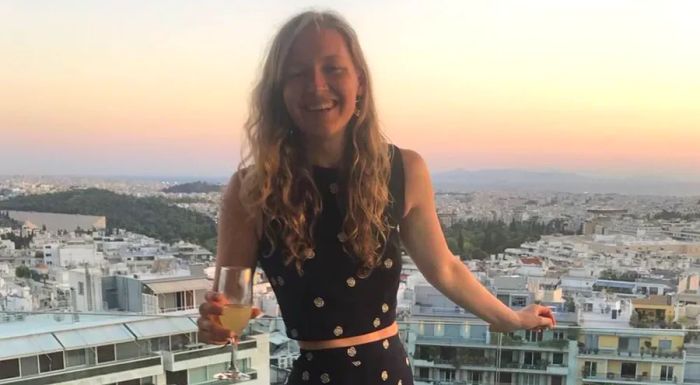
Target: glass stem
234, 349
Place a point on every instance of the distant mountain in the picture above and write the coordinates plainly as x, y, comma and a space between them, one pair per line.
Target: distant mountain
521, 180
151, 216
194, 187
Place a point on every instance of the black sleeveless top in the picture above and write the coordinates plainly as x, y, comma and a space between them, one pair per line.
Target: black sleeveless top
334, 297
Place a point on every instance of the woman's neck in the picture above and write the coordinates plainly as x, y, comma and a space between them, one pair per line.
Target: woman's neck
325, 152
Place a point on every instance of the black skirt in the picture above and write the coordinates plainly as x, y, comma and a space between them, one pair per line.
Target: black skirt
382, 362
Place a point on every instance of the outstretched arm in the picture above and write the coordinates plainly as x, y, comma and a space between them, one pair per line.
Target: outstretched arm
425, 242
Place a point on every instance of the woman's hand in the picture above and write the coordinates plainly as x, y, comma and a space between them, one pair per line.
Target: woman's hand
536, 317
210, 330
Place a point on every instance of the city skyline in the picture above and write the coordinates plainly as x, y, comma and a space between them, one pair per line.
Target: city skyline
161, 89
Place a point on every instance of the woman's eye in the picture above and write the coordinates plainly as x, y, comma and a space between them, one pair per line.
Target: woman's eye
335, 69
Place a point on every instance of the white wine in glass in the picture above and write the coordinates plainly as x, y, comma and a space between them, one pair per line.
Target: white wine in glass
235, 284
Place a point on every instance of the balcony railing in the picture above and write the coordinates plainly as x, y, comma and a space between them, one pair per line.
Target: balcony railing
435, 351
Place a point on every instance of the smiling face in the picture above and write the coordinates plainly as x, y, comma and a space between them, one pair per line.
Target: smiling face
321, 82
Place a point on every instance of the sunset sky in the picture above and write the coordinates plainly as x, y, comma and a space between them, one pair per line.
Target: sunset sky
161, 87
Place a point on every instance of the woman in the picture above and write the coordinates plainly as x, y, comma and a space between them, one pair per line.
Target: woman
323, 208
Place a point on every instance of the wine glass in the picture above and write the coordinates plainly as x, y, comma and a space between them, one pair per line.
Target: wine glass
235, 283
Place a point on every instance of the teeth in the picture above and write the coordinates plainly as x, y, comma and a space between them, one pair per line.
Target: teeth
321, 106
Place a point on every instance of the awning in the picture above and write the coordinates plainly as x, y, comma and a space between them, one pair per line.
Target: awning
179, 285
95, 336
28, 345
158, 327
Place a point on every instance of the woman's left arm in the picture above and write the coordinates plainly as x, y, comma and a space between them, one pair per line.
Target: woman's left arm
423, 238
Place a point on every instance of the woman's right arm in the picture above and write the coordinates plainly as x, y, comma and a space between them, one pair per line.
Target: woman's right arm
237, 245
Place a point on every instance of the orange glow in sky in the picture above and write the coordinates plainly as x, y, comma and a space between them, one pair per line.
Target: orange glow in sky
161, 88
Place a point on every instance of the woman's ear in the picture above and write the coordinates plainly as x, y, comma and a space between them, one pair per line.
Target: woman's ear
362, 84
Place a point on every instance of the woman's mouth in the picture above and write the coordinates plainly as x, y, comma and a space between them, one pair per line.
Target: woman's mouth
320, 106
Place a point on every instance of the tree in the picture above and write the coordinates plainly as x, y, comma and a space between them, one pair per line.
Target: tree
23, 271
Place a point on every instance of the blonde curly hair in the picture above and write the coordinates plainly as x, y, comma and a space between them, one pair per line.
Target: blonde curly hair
277, 179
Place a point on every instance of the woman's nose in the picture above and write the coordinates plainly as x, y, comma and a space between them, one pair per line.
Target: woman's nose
316, 80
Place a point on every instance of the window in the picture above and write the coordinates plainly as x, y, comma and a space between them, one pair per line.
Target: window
532, 358
623, 344
475, 378
9, 368
127, 350
664, 345
504, 378
558, 336
197, 375
590, 369
446, 375
424, 373
105, 353
176, 378
136, 381
519, 301
654, 290
666, 373
147, 381
216, 368
51, 361
558, 358
30, 365
530, 379
159, 344
628, 370
81, 288
75, 357
533, 336
557, 380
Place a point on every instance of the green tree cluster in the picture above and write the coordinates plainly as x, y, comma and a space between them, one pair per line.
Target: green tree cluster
477, 239
151, 216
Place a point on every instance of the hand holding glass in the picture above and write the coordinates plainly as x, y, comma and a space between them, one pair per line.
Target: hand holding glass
235, 284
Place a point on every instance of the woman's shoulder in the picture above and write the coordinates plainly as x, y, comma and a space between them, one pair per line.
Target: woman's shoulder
413, 162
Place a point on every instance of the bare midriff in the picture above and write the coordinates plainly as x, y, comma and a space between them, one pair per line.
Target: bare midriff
378, 335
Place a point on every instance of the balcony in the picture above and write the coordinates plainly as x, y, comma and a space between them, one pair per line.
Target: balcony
663, 357
101, 373
198, 355
618, 379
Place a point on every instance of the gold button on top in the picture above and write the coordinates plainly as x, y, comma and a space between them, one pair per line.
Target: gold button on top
319, 302
305, 376
325, 378
342, 237
333, 187
357, 363
352, 351
385, 344
385, 375
350, 281
388, 263
309, 254
385, 308
407, 363
399, 383
376, 322
338, 331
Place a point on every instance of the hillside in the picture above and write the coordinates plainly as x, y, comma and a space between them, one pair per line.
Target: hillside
193, 187
153, 217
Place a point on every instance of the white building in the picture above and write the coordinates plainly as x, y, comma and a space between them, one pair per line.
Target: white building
89, 349
86, 289
77, 253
